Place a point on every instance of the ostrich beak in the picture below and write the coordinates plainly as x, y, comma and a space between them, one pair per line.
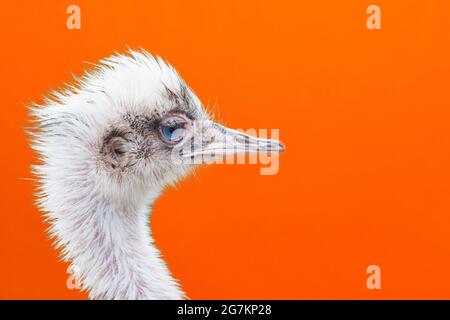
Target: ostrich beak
220, 141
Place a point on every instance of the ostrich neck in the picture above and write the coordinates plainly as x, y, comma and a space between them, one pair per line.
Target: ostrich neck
110, 247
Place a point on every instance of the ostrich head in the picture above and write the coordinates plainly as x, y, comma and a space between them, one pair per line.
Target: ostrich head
108, 145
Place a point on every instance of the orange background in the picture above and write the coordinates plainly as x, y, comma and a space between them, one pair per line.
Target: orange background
365, 116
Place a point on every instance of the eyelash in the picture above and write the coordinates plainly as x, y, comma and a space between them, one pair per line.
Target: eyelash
180, 112
173, 123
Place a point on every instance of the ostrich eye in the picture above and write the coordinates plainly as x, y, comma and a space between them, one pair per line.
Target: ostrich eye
173, 129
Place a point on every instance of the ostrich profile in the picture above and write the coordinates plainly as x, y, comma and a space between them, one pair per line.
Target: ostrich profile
108, 145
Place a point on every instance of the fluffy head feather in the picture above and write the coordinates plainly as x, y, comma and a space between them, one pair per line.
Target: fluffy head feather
94, 199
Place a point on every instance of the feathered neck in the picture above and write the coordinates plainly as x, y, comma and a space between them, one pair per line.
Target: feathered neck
110, 247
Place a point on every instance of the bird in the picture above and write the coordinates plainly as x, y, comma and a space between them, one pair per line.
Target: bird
107, 146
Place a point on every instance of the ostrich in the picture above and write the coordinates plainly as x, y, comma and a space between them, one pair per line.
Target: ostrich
108, 145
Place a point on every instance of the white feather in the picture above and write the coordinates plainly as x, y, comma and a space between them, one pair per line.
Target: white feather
99, 220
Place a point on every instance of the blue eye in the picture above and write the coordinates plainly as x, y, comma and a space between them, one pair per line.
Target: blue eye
172, 133
172, 130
